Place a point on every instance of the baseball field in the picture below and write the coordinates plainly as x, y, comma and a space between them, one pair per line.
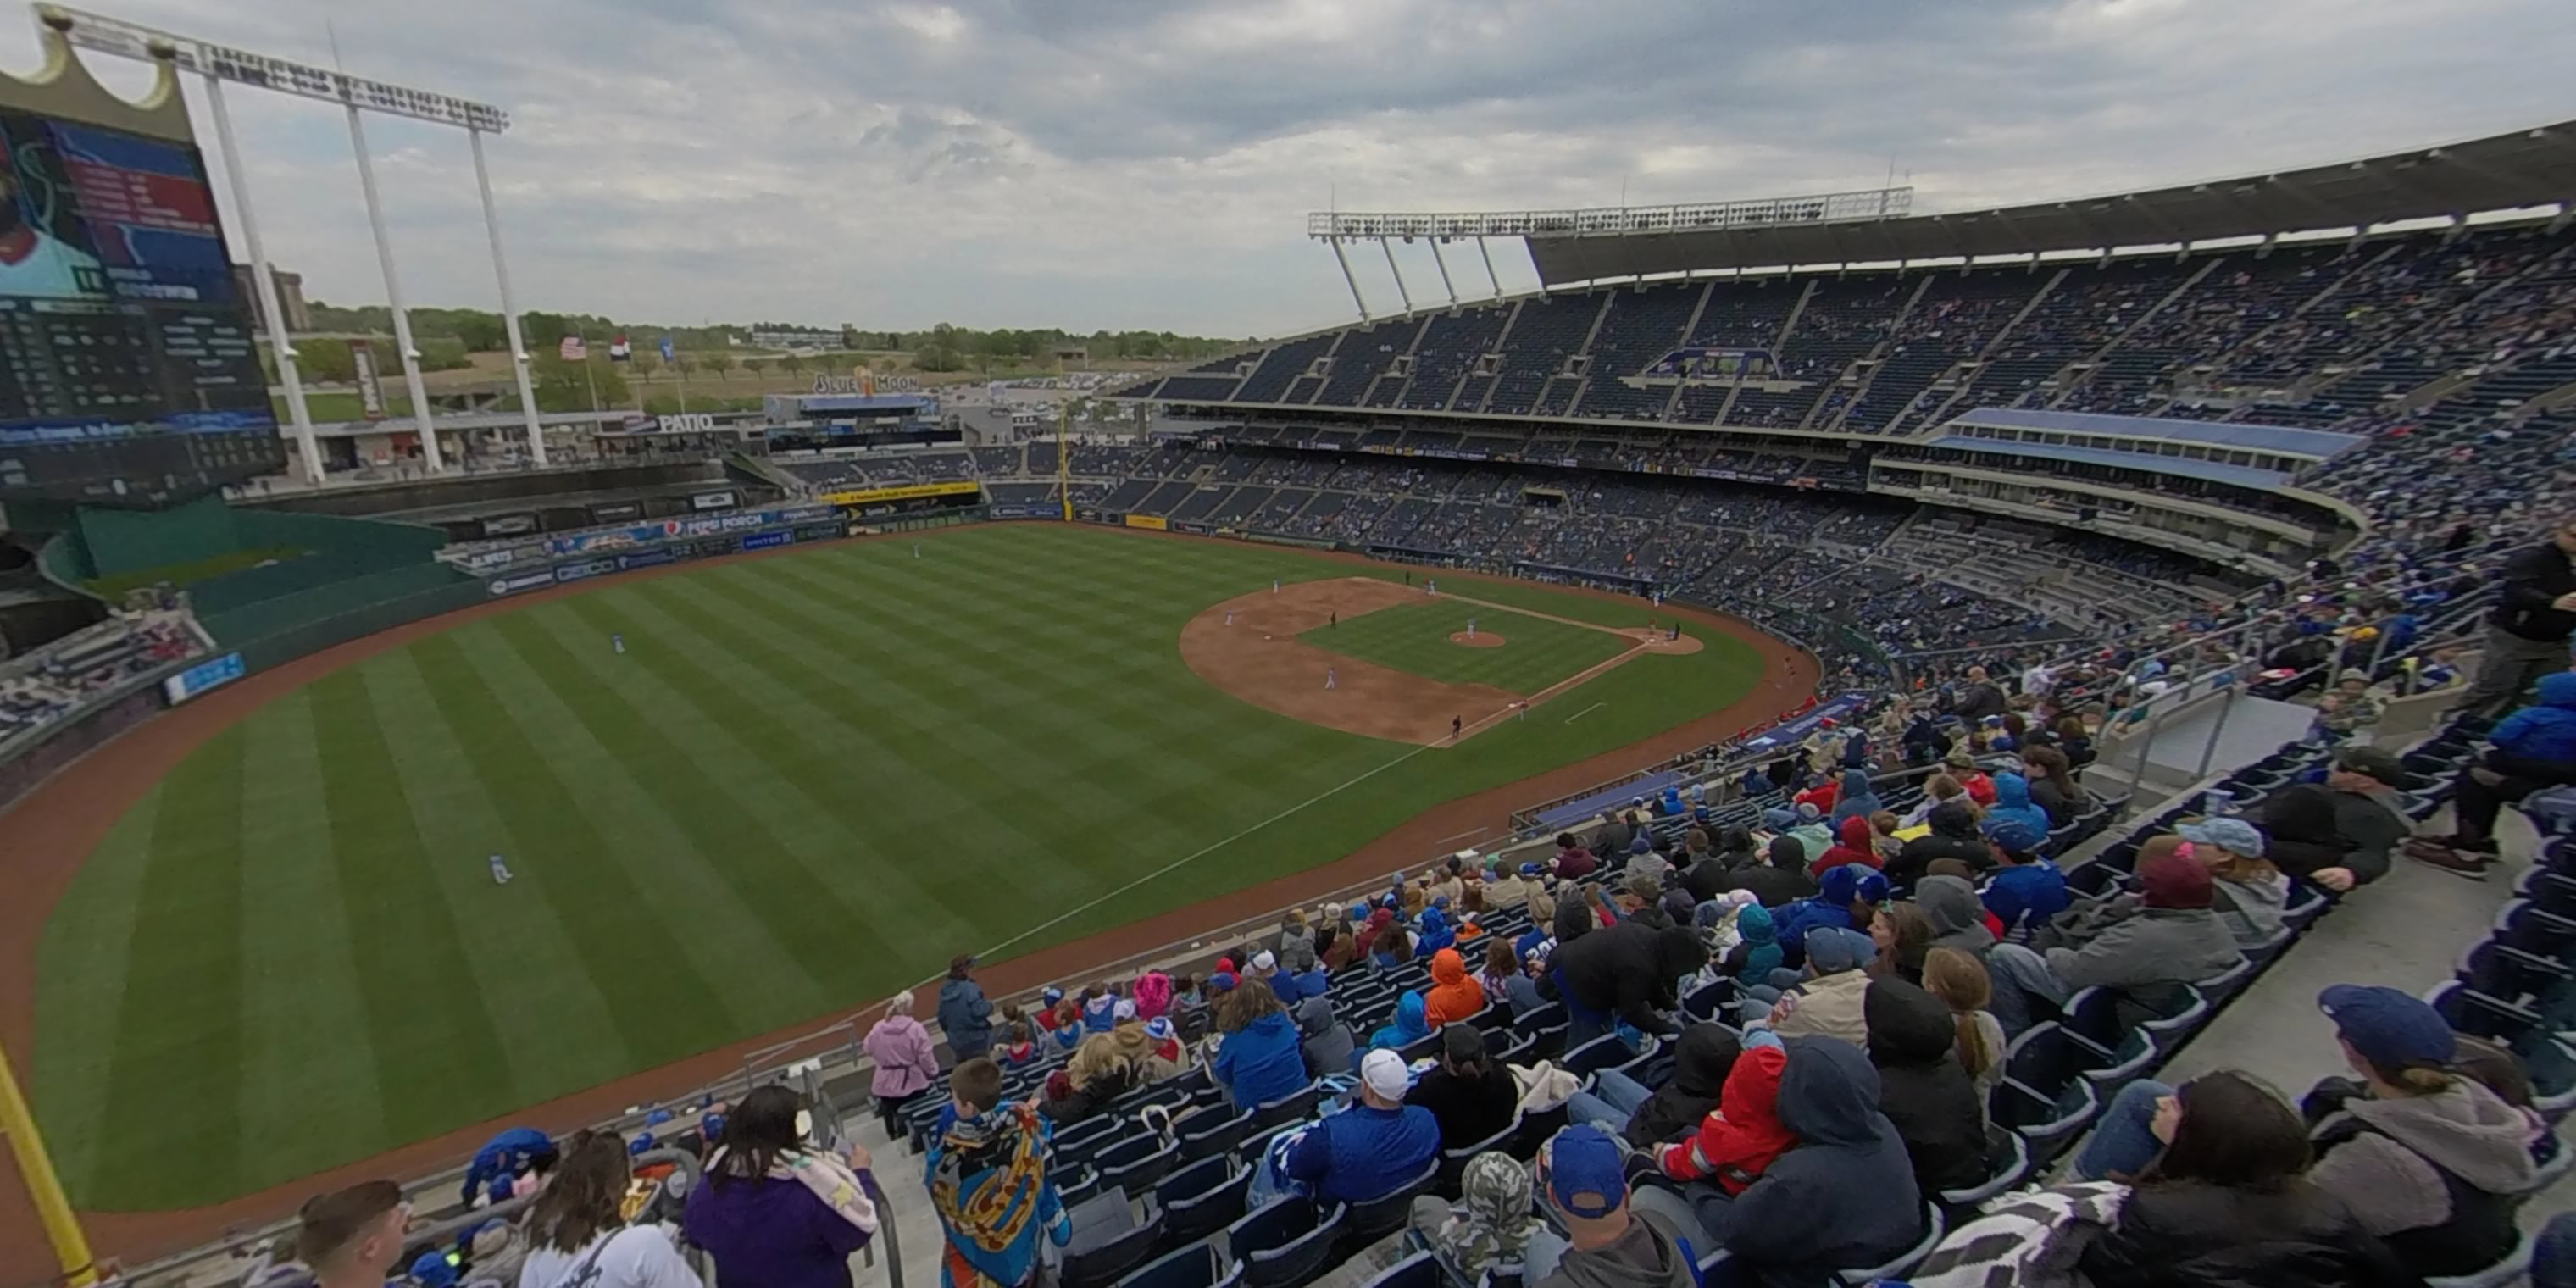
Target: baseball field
805, 781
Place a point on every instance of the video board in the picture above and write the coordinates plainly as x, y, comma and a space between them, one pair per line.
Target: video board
128, 366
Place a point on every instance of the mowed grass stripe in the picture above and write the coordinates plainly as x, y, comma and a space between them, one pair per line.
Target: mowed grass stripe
553, 1020
1181, 748
304, 1085
178, 1023
422, 1010
958, 820
566, 862
82, 960
683, 901
789, 779
1414, 638
730, 840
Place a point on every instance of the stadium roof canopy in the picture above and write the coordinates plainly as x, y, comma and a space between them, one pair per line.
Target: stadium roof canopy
2210, 471
2526, 168
2315, 444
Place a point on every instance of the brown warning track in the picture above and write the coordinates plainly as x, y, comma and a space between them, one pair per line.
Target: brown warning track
47, 834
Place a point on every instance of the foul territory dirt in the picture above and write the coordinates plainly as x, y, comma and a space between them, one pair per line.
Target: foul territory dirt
44, 838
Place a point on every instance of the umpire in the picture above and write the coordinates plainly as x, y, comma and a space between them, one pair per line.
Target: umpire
2527, 633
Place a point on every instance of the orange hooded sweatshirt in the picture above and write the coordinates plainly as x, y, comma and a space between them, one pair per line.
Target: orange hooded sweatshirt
1454, 994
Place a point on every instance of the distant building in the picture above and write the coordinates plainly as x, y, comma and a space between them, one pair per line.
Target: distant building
1073, 355
290, 295
797, 341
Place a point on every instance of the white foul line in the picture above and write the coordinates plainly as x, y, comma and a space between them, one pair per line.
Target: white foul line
1186, 859
1585, 712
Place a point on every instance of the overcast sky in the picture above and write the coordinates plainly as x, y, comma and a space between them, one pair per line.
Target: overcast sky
1148, 163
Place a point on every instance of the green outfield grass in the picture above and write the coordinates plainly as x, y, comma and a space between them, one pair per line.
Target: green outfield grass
1414, 638
808, 782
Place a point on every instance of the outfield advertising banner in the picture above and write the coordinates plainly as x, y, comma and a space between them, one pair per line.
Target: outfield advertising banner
912, 492
653, 558
619, 512
808, 514
583, 543
1028, 512
1151, 522
711, 547
712, 501
586, 568
516, 582
764, 540
211, 674
817, 531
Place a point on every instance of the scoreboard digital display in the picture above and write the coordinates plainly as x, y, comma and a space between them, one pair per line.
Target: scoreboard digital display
128, 366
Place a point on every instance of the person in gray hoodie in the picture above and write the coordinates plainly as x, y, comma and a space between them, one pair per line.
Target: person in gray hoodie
1843, 1198
1613, 1238
2173, 940
2248, 893
1326, 1042
2430, 1161
1958, 919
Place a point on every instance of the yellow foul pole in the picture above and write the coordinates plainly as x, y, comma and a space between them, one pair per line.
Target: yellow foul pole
62, 1229
1063, 463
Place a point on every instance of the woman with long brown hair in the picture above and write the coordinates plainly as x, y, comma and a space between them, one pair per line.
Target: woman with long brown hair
578, 1230
2230, 1196
1962, 984
775, 1210
2052, 785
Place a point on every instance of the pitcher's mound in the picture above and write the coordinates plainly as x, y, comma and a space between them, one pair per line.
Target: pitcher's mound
1481, 639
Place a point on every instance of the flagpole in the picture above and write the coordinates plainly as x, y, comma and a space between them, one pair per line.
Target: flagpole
586, 373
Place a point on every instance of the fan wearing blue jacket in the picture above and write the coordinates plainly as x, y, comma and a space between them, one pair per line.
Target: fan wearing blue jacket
1844, 896
504, 1156
2027, 889
2533, 748
2012, 801
1259, 1060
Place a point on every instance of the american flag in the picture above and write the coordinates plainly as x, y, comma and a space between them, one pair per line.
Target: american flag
618, 350
574, 350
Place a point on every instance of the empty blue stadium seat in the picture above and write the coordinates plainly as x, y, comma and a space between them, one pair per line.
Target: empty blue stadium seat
1197, 1265
1284, 1244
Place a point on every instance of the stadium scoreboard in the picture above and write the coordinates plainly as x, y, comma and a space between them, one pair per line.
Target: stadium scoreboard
129, 372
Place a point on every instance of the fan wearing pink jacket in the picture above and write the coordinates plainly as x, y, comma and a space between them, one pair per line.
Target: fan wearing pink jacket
905, 1058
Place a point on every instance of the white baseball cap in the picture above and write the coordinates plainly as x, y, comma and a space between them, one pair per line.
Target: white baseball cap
1385, 1074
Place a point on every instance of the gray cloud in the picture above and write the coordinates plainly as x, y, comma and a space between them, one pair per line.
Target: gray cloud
1148, 162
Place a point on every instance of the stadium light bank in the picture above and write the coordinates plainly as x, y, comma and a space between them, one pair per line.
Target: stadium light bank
1335, 227
355, 94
